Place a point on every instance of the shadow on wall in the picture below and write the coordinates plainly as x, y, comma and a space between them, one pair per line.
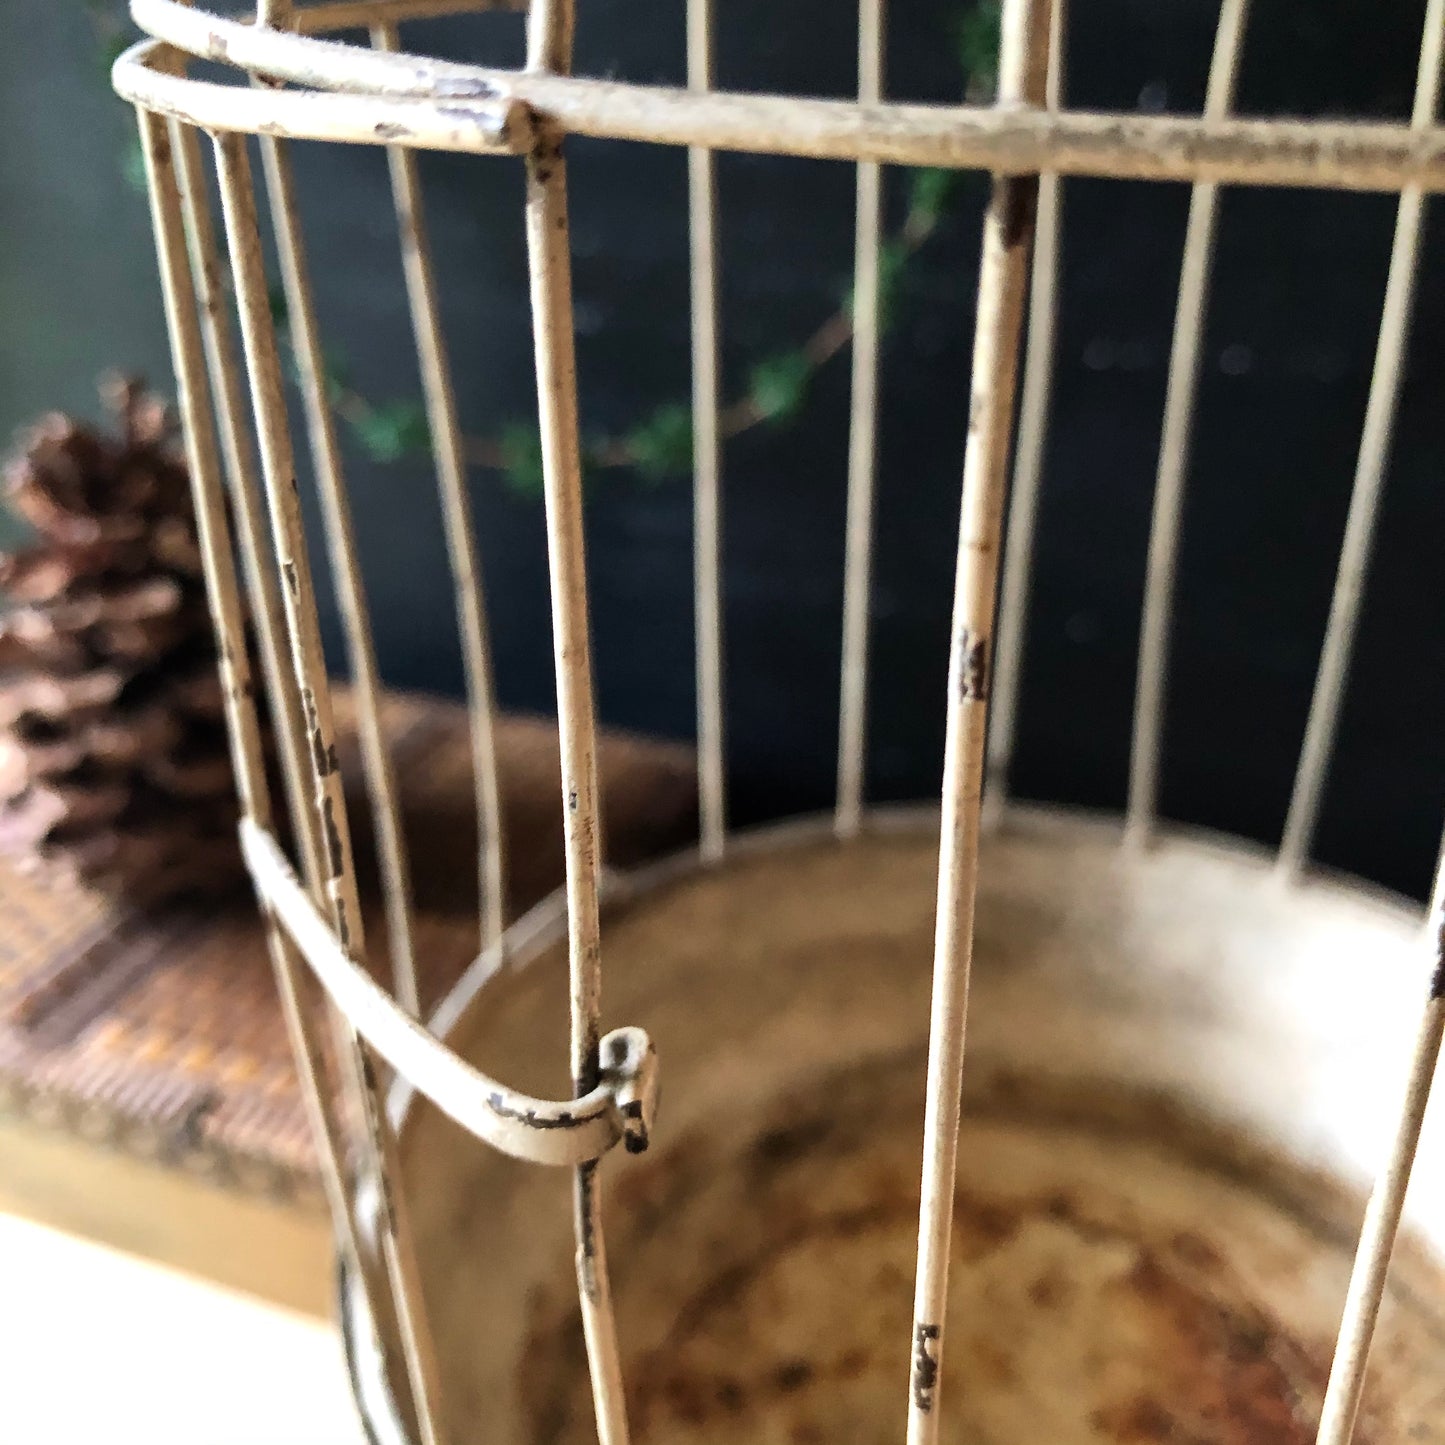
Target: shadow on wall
1289, 341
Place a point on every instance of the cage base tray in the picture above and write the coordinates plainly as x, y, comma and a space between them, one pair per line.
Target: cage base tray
1174, 1091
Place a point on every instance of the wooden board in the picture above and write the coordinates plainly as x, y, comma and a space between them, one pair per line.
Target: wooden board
144, 1065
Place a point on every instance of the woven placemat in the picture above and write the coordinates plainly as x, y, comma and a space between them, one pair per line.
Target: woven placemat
160, 1033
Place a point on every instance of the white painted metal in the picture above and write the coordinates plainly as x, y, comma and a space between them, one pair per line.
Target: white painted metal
1002, 291
1374, 455
1184, 354
862, 443
1028, 140
620, 1106
707, 454
1023, 505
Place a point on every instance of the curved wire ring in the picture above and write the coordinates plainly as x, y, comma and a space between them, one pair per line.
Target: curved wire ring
449, 97
620, 1108
146, 76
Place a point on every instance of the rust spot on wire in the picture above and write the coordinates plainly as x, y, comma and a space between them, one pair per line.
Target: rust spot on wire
488, 123
323, 754
973, 667
334, 860
792, 1375
1016, 198
584, 1202
925, 1365
498, 1104
546, 155
464, 88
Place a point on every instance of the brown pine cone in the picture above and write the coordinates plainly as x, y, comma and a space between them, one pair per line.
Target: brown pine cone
114, 766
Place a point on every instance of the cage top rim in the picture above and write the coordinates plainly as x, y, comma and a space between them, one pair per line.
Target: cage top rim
350, 93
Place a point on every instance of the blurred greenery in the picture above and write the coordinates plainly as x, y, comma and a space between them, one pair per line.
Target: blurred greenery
659, 446
391, 430
521, 450
978, 38
777, 385
930, 190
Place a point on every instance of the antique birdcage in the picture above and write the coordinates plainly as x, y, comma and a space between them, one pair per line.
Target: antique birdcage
1142, 1189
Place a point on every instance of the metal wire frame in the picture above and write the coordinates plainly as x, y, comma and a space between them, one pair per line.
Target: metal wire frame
1369, 480
177, 189
442, 105
1038, 380
1002, 294
325, 843
367, 1125
1184, 353
549, 261
346, 567
448, 454
707, 453
862, 444
409, 102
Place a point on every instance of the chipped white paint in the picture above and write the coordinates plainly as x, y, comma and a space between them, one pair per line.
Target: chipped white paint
620, 1107
383, 97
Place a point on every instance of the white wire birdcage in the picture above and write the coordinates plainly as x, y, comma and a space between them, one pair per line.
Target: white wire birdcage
1220, 992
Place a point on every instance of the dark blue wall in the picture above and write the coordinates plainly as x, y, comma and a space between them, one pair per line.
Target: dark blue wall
1288, 349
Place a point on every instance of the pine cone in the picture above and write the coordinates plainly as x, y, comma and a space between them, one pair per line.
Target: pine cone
114, 766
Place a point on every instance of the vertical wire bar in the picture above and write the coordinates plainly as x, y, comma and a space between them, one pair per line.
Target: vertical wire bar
549, 262
1023, 505
551, 287
1003, 282
550, 28
1324, 715
706, 454
1387, 1202
176, 207
449, 457
265, 590
327, 850
229, 618
862, 447
1194, 271
307, 1046
346, 570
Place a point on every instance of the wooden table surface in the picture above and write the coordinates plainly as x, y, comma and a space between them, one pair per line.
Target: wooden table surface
147, 1097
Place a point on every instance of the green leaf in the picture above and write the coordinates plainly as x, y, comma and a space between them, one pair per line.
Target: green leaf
112, 33
393, 430
661, 446
337, 375
778, 385
892, 263
112, 47
893, 258
978, 39
929, 191
521, 447
337, 364
133, 164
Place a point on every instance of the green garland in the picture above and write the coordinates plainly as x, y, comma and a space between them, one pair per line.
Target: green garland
659, 446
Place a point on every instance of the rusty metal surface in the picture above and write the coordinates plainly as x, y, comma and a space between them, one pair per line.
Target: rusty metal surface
1106, 1289
1171, 1084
